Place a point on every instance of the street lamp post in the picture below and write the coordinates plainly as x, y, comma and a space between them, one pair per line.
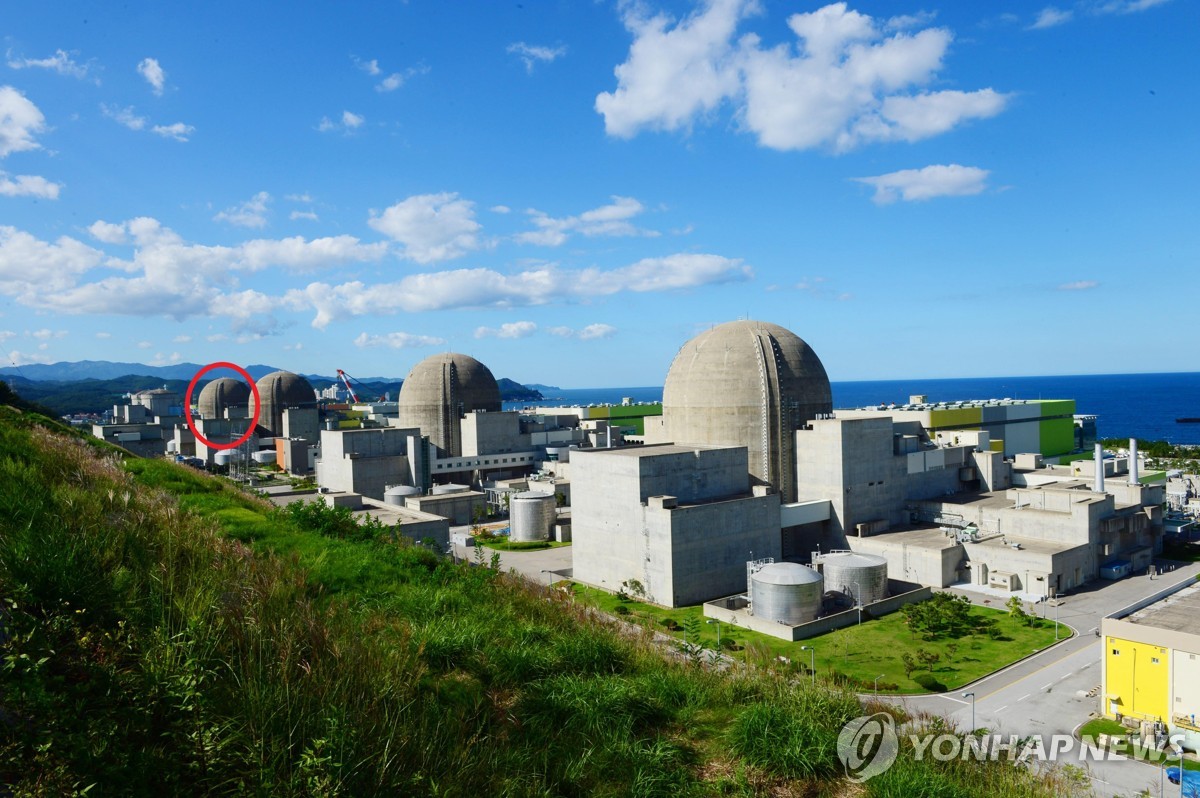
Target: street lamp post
1056, 621
877, 678
812, 661
972, 697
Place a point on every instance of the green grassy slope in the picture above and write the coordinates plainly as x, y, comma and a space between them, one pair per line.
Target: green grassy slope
163, 634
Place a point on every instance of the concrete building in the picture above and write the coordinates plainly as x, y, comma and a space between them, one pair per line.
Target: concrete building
745, 383
281, 391
439, 391
146, 425
368, 461
953, 511
1014, 426
681, 520
1151, 666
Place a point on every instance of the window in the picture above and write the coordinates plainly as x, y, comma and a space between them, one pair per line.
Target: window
1116, 652
1154, 660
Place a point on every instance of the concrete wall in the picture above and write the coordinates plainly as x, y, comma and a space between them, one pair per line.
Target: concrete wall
913, 563
680, 520
459, 508
301, 422
492, 433
737, 617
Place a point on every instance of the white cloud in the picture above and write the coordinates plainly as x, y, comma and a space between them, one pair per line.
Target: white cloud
500, 209
608, 220
149, 69
61, 62
181, 339
514, 329
477, 288
588, 333
28, 186
432, 227
397, 340
531, 54
350, 122
6, 335
165, 360
178, 131
910, 185
124, 116
1079, 285
1127, 6
103, 335
145, 345
672, 75
169, 277
309, 215
107, 233
18, 358
29, 266
1050, 17
843, 83
370, 67
251, 213
20, 121
46, 334
906, 21
305, 197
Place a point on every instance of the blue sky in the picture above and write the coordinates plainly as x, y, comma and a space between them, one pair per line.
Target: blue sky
568, 191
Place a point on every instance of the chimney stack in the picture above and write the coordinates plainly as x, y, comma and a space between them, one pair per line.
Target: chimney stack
1098, 458
1133, 462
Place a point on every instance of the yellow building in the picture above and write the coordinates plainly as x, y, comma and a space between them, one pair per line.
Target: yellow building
1151, 665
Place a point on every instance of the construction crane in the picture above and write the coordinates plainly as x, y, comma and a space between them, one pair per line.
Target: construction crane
346, 381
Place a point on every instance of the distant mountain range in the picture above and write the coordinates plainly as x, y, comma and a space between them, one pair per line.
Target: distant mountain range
91, 386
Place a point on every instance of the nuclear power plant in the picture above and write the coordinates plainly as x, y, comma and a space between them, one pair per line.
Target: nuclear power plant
880, 506
749, 492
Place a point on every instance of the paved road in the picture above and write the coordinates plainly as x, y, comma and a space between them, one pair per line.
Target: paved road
1051, 692
1054, 691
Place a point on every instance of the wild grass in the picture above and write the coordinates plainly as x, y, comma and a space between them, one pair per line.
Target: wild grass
162, 633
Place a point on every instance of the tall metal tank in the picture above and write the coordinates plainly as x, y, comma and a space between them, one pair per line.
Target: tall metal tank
396, 494
441, 490
531, 516
862, 578
787, 592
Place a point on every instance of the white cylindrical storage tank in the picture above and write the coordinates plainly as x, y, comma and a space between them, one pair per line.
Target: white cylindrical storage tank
396, 494
225, 457
531, 516
439, 490
331, 424
558, 453
787, 592
264, 456
172, 447
862, 578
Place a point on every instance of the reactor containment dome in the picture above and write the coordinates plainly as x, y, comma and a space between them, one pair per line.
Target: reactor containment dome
278, 391
439, 391
222, 394
747, 383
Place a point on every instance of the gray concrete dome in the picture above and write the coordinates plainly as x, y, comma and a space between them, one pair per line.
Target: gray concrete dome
222, 394
747, 383
439, 391
278, 391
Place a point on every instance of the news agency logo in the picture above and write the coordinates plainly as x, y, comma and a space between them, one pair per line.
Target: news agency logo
868, 746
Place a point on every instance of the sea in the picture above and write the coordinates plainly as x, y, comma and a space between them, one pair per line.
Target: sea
1143, 406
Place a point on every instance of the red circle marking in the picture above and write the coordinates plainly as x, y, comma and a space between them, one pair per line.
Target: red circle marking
187, 405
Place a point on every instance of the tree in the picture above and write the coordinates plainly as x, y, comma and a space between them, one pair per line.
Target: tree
942, 615
928, 658
1016, 610
910, 664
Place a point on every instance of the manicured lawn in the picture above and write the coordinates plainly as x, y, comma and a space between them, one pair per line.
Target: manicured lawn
861, 652
1094, 728
533, 545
